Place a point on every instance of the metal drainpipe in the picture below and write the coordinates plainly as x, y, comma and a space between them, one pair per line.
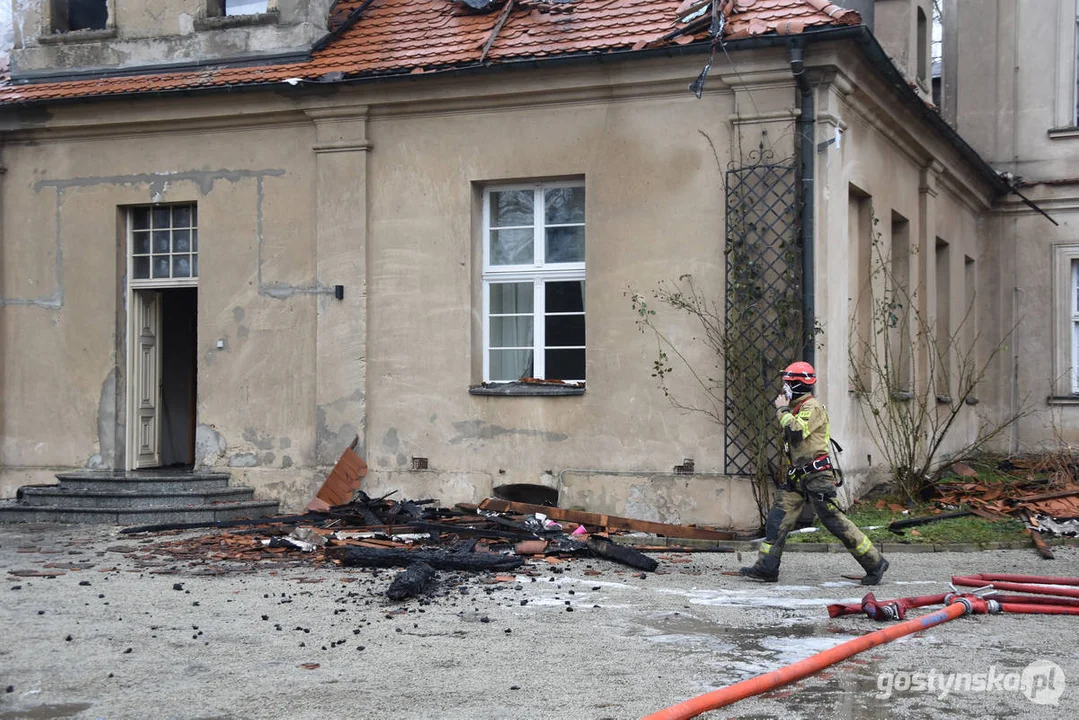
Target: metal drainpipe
807, 151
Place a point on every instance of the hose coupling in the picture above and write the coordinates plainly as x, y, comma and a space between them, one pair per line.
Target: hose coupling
965, 602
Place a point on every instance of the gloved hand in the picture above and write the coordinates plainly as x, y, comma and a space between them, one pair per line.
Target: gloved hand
781, 401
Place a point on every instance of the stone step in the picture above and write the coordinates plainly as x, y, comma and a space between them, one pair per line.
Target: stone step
15, 511
142, 482
179, 495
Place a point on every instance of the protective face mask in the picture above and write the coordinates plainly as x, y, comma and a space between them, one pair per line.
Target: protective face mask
787, 391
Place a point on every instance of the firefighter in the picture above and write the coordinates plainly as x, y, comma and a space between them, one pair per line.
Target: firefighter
810, 478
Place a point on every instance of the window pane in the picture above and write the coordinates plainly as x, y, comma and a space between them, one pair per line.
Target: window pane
511, 298
161, 241
512, 207
161, 266
1075, 286
565, 244
140, 218
510, 365
511, 331
181, 241
564, 205
564, 330
565, 364
512, 247
181, 266
181, 216
194, 266
142, 268
195, 240
141, 243
161, 217
567, 296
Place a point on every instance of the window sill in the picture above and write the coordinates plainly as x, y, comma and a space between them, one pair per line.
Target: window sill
77, 36
527, 389
1063, 133
1063, 400
232, 21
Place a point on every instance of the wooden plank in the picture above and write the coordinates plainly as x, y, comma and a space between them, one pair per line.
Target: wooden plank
612, 522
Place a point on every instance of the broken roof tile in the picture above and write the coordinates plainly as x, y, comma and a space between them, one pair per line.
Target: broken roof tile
379, 37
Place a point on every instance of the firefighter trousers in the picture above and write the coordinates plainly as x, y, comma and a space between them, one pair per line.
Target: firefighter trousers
819, 490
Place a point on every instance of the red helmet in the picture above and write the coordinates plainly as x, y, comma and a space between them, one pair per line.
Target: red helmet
800, 372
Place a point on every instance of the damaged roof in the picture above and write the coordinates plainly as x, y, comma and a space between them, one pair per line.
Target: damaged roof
372, 38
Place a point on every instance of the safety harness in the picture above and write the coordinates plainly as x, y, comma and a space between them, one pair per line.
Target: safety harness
821, 463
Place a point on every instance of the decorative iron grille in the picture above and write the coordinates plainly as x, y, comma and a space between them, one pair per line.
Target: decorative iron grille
763, 306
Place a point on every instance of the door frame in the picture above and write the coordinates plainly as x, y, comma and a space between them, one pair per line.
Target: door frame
131, 343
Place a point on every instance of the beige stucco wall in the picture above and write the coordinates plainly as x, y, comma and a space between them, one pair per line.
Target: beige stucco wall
377, 188
64, 356
884, 151
405, 162
1015, 65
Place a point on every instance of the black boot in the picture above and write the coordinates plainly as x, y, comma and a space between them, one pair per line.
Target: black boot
758, 573
873, 576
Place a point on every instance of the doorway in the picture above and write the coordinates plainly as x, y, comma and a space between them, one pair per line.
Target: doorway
163, 377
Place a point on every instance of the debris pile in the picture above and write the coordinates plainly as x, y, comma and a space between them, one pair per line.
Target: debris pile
417, 536
1042, 493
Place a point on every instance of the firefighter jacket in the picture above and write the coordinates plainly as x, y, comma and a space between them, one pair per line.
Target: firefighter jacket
806, 429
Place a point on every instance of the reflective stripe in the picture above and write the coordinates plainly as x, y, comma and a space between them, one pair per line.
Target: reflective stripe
863, 547
766, 548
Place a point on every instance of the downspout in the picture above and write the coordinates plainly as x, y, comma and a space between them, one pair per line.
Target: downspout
807, 152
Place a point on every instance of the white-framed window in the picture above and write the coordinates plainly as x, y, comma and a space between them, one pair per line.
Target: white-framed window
534, 282
1066, 320
163, 245
1073, 323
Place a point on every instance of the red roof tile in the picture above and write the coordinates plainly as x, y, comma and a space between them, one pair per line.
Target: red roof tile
409, 36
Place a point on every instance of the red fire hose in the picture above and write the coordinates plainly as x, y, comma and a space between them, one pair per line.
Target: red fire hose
803, 668
883, 610
955, 606
1021, 583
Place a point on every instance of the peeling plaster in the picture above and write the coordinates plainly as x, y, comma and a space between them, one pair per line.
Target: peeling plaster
390, 440
482, 430
210, 445
243, 460
262, 442
159, 182
330, 442
277, 290
286, 462
158, 185
187, 23
106, 425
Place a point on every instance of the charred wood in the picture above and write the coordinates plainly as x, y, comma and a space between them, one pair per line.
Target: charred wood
415, 580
